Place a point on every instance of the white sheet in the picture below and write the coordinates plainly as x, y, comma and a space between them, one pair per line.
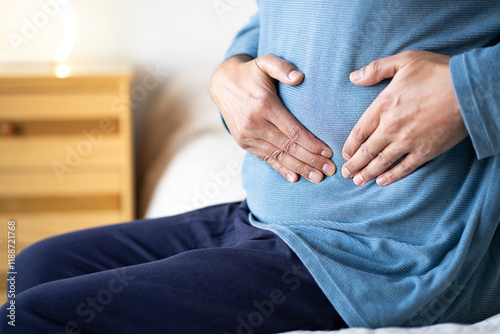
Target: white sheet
191, 161
488, 326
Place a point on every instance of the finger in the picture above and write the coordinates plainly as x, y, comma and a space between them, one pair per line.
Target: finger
270, 154
381, 163
288, 174
367, 152
364, 128
296, 132
381, 69
279, 69
405, 167
280, 140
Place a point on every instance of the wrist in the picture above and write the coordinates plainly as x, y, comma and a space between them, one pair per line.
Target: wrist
242, 58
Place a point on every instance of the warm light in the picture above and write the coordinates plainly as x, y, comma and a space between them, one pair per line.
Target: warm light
62, 71
68, 19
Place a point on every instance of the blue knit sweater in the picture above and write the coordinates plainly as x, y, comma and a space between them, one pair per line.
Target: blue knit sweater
422, 250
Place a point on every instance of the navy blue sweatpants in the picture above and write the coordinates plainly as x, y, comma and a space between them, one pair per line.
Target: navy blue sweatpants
207, 271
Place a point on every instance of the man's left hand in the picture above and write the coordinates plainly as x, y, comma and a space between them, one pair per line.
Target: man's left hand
416, 115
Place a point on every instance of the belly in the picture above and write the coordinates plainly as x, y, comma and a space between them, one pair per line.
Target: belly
327, 41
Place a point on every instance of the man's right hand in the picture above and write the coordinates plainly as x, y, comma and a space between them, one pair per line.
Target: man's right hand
244, 89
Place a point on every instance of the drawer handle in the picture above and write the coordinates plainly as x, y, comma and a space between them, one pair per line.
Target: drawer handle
7, 129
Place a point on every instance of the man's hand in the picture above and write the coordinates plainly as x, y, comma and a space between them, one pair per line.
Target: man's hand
244, 89
416, 115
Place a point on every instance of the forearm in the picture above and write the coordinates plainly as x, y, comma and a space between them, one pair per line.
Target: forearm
246, 41
476, 80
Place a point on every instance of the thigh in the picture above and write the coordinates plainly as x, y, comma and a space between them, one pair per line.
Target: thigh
255, 286
125, 244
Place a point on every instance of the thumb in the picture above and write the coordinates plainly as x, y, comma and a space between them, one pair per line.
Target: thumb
377, 71
279, 69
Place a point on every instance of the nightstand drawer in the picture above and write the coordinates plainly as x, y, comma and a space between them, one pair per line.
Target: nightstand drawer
59, 204
50, 185
90, 147
18, 107
87, 127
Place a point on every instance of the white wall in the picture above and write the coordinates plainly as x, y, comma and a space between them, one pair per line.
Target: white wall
175, 33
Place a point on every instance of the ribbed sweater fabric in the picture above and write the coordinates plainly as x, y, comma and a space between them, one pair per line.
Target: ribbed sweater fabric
423, 250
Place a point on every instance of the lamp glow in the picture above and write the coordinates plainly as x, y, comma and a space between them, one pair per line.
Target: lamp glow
62, 71
68, 19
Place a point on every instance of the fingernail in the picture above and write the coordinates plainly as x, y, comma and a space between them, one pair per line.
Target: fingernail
358, 75
345, 173
294, 74
329, 169
381, 181
290, 177
346, 156
315, 177
327, 154
358, 180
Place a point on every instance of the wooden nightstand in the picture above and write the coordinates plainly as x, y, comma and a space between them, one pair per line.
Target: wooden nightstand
65, 150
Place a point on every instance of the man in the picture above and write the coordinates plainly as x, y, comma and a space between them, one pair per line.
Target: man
310, 248
424, 147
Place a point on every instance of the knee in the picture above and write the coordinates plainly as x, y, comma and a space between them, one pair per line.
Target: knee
30, 312
18, 312
41, 253
40, 263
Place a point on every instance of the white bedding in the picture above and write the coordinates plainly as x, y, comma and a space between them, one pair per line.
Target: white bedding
187, 158
488, 326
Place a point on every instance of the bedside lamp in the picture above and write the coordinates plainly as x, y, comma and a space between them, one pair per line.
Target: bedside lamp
68, 19
32, 39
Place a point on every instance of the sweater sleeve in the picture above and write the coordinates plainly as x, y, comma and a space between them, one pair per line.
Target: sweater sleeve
476, 80
246, 41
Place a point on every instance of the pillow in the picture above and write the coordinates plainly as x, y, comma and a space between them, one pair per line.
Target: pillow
187, 159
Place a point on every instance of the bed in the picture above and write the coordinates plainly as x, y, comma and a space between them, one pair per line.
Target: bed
187, 160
